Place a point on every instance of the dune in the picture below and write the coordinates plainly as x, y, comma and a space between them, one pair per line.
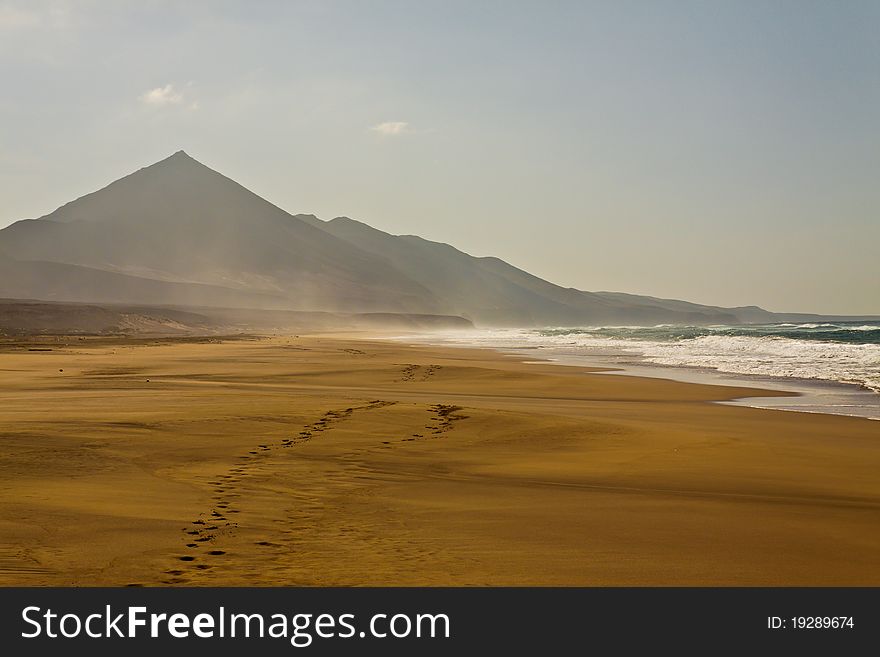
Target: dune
350, 460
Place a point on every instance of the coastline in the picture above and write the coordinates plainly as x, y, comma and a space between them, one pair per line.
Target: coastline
807, 395
356, 460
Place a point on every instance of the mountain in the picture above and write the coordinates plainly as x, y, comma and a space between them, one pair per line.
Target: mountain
180, 222
179, 233
492, 292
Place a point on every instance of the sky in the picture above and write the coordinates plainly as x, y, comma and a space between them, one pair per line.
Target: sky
720, 152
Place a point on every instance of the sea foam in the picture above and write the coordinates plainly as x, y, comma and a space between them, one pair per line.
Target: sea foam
838, 352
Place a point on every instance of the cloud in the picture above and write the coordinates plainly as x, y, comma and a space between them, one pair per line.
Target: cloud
54, 15
11, 18
168, 95
161, 96
392, 128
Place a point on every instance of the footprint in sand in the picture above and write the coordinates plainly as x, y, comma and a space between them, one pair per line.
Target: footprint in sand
233, 477
444, 415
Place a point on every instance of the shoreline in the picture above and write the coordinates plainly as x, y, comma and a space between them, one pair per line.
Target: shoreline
817, 396
355, 460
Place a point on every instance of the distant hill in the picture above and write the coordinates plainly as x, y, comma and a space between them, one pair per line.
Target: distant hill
179, 233
58, 281
21, 317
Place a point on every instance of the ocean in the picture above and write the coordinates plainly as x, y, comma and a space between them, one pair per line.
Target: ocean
835, 366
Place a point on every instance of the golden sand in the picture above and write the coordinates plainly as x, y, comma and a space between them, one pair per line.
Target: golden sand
342, 461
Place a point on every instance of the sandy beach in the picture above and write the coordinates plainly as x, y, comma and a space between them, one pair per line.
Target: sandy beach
352, 461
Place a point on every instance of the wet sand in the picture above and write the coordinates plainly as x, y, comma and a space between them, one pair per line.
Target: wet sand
345, 461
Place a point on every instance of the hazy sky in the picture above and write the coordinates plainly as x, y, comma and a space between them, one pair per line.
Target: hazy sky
720, 152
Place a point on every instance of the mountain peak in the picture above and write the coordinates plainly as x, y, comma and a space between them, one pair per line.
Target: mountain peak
177, 163
179, 156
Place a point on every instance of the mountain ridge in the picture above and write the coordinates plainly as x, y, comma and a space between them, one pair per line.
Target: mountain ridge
179, 232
